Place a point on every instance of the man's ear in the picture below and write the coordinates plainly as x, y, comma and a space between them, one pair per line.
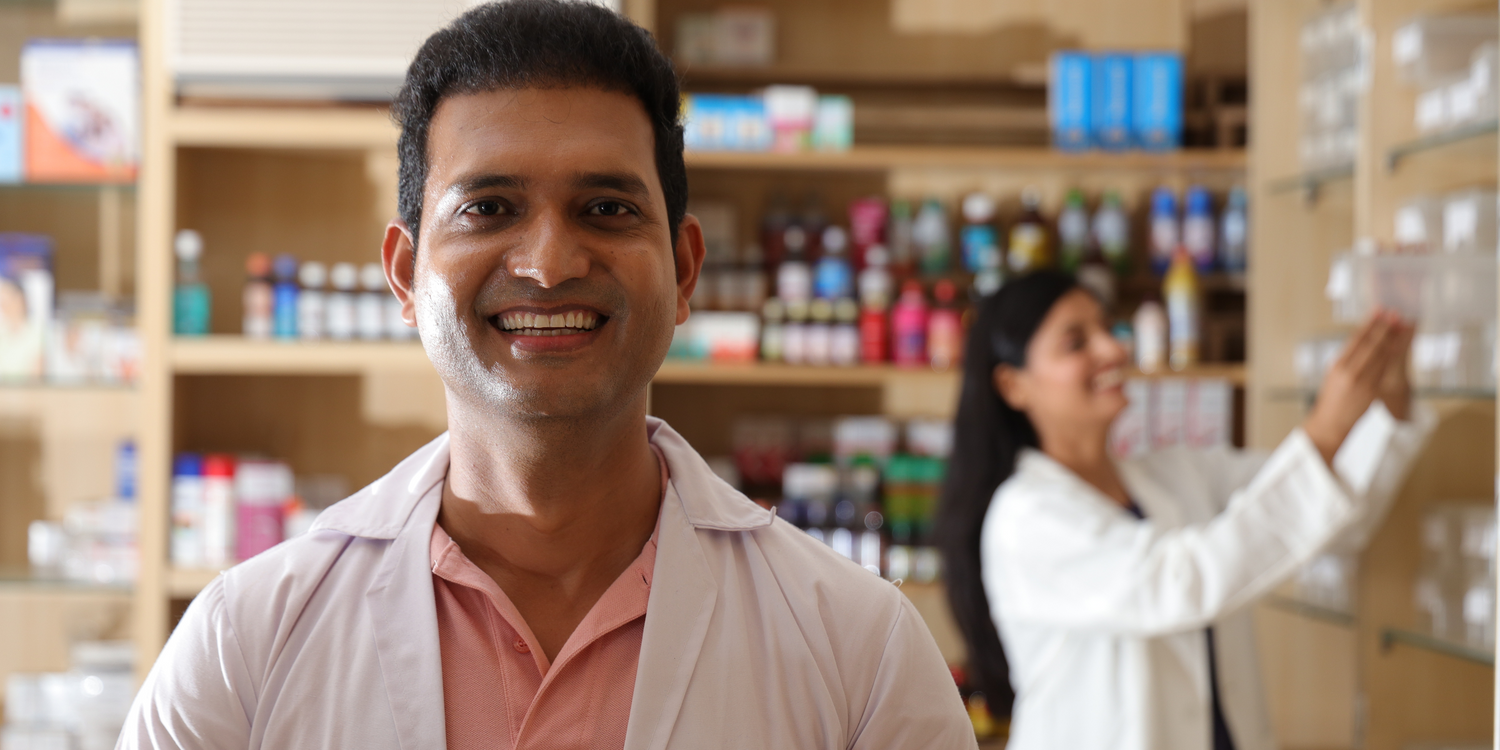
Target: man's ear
1010, 384
398, 254
688, 257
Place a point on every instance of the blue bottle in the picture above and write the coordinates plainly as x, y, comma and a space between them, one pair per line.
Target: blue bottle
1233, 231
834, 278
1198, 234
284, 298
1164, 229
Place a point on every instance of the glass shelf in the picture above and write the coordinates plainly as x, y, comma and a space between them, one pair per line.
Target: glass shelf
1311, 182
1311, 611
1309, 395
1438, 140
1389, 637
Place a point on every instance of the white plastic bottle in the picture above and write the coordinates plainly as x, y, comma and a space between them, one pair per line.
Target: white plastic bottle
218, 511
187, 511
312, 304
370, 309
1150, 336
341, 323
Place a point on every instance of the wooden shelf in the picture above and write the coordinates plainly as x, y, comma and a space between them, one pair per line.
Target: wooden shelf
880, 158
292, 127
185, 583
236, 355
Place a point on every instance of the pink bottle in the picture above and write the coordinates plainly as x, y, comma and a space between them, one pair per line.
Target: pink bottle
945, 335
909, 326
262, 488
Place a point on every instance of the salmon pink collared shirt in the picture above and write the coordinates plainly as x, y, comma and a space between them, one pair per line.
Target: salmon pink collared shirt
500, 692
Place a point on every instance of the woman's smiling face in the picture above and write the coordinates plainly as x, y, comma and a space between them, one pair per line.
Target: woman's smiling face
1075, 369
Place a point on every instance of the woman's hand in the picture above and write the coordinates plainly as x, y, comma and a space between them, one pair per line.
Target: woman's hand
1375, 355
1395, 387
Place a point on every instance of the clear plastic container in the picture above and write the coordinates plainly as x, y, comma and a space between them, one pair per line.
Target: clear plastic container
1469, 221
1419, 222
1433, 50
1439, 290
1455, 590
1332, 84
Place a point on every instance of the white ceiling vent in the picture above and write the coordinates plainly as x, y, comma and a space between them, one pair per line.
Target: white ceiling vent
300, 49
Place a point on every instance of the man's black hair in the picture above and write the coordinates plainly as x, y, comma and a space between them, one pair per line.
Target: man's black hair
516, 44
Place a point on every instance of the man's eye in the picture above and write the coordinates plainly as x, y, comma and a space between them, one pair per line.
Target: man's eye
485, 208
610, 208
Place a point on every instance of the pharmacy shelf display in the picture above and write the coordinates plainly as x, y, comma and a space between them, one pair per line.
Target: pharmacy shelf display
1362, 164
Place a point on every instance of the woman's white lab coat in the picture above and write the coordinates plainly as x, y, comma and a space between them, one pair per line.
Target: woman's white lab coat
1103, 615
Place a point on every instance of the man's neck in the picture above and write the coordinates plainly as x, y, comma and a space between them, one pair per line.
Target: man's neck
552, 510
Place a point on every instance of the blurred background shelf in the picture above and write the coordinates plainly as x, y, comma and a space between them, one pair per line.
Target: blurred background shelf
1313, 611
1311, 182
299, 127
1435, 141
1389, 637
880, 158
185, 583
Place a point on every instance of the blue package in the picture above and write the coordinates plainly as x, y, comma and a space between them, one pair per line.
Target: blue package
1069, 97
10, 133
1158, 100
751, 126
1112, 101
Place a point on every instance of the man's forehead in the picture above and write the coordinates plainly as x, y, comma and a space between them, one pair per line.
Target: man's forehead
506, 128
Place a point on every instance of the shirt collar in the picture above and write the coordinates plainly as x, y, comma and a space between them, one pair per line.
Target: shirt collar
380, 510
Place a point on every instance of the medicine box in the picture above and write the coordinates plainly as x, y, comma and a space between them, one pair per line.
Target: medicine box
1070, 99
10, 134
82, 102
1156, 95
1112, 101
26, 291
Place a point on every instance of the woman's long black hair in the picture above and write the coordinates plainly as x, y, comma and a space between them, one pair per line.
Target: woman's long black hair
988, 435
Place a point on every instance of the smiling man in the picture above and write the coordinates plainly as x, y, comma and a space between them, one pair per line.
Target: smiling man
558, 570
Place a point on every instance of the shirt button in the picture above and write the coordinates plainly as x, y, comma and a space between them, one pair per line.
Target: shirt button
521, 647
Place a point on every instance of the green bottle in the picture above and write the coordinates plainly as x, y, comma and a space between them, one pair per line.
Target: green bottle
191, 302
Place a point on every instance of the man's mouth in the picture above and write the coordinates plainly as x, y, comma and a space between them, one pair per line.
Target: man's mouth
545, 324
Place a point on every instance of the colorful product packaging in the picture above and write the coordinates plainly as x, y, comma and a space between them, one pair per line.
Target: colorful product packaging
1070, 99
82, 102
833, 124
11, 150
26, 295
1129, 435
1168, 423
1111, 90
1209, 414
1157, 100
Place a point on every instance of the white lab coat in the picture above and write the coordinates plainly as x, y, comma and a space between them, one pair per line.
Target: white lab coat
756, 636
1103, 616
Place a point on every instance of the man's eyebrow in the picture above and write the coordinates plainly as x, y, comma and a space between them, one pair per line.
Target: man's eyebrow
475, 183
624, 182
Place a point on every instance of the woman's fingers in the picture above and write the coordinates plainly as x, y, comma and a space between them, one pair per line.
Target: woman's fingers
1368, 352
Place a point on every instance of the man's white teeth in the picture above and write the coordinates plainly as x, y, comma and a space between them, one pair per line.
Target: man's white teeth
531, 324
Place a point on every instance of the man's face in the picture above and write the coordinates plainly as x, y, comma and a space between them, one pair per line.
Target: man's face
546, 282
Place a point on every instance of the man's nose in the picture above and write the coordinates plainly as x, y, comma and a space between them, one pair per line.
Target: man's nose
550, 253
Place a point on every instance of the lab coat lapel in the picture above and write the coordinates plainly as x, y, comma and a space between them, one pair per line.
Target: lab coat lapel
683, 594
403, 617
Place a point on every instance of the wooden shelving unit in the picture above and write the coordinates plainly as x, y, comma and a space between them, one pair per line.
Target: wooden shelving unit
1342, 686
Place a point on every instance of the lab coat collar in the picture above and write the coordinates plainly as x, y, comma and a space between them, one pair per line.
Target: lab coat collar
380, 510
1143, 490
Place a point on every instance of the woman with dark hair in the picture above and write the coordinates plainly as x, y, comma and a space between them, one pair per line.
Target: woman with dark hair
1119, 588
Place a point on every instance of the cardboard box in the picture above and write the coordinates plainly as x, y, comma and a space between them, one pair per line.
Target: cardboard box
1112, 81
1070, 100
10, 134
1209, 414
1169, 413
26, 290
1129, 436
82, 102
1156, 96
